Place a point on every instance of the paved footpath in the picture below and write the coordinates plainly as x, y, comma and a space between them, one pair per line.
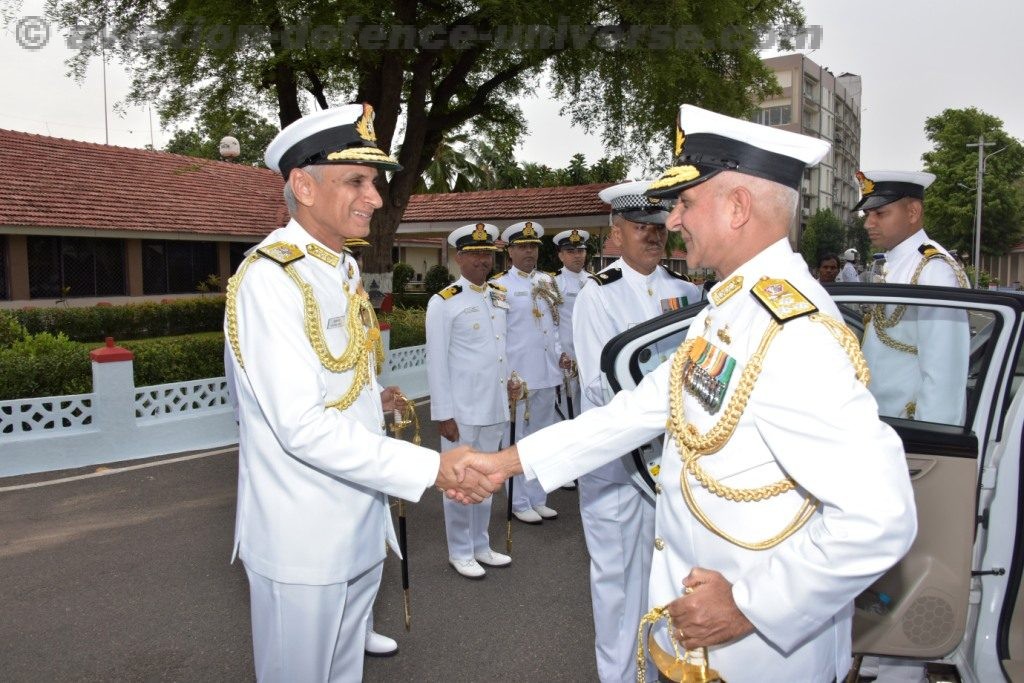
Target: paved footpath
125, 577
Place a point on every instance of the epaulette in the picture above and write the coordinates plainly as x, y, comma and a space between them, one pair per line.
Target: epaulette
281, 253
607, 276
929, 251
932, 253
498, 275
557, 272
678, 276
449, 292
495, 285
782, 299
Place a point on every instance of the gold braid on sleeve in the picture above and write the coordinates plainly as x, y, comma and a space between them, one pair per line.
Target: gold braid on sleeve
693, 446
231, 306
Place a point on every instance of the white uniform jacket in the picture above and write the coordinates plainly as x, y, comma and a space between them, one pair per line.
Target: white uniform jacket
312, 481
466, 367
605, 310
797, 594
532, 344
848, 273
930, 385
569, 284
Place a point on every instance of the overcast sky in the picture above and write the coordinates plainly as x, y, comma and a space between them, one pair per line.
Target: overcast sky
916, 58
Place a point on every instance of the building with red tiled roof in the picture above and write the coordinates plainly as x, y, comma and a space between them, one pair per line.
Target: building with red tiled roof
81, 220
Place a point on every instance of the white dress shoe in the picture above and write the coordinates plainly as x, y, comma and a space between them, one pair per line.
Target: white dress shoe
380, 646
471, 569
545, 512
528, 516
492, 558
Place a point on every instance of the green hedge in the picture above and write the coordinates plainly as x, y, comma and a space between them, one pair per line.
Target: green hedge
412, 300
130, 321
408, 327
53, 365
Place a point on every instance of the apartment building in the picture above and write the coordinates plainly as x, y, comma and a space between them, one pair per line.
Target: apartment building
816, 102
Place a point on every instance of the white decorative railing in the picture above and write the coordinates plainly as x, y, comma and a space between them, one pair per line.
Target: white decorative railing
407, 358
120, 421
181, 397
53, 413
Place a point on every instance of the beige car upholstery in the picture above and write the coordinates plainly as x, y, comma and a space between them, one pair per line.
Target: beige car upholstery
929, 586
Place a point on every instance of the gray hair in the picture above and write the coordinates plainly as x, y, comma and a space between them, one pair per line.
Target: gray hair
778, 201
289, 194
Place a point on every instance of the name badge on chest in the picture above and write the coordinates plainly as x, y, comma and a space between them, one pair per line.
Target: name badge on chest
706, 374
337, 321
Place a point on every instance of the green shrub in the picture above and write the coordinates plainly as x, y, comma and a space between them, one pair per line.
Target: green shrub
412, 300
44, 365
177, 359
437, 279
408, 327
10, 329
130, 321
400, 277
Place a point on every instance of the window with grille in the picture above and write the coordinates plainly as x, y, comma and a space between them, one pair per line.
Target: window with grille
75, 267
237, 253
5, 291
176, 267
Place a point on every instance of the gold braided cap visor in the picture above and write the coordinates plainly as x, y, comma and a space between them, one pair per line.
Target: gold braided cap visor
704, 155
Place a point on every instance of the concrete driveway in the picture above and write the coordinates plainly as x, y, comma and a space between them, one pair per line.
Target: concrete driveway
125, 577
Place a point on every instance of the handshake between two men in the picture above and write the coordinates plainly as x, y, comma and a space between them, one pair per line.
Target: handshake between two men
469, 476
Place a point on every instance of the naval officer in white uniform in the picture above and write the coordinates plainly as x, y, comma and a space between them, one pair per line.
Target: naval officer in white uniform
315, 467
467, 375
534, 351
618, 520
918, 354
763, 532
570, 278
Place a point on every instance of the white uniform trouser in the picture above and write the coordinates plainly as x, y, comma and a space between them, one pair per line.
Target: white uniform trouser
311, 634
890, 670
466, 525
529, 494
618, 522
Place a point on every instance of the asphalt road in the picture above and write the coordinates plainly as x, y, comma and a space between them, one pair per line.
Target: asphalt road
125, 577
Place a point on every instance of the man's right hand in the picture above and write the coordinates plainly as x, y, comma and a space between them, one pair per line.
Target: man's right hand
462, 484
449, 429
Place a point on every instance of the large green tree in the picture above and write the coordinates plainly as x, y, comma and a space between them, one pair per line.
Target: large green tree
431, 68
823, 235
950, 201
252, 131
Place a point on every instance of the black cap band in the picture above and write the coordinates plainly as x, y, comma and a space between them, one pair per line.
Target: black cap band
711, 154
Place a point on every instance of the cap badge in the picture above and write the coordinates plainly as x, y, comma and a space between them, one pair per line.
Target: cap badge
653, 201
364, 126
480, 234
575, 238
867, 186
528, 231
680, 138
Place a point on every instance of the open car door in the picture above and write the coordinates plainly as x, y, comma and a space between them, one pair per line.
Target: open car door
921, 608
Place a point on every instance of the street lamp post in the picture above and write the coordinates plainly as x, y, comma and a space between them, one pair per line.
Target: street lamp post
982, 158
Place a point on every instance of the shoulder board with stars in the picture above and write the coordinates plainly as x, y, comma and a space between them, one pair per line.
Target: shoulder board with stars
449, 292
607, 276
498, 287
499, 275
676, 275
281, 253
782, 299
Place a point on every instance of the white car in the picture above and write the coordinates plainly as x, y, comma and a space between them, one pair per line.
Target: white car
955, 599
